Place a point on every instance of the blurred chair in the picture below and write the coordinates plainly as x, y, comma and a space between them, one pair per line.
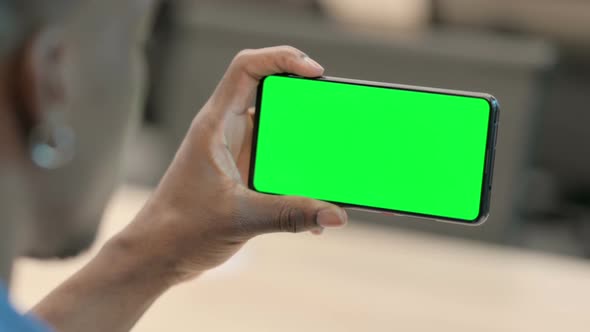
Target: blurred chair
206, 37
560, 150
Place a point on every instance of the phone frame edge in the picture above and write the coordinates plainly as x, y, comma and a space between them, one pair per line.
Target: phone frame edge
485, 196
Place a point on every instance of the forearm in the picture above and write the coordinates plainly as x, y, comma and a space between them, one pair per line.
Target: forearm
110, 293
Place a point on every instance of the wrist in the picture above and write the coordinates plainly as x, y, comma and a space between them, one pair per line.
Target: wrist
130, 262
149, 248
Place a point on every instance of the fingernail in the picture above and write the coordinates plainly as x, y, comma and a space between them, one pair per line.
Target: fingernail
313, 62
344, 216
330, 218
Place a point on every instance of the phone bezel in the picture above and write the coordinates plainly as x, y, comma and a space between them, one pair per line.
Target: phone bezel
486, 187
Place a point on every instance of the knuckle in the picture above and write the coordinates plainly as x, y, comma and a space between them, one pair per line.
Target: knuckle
286, 61
242, 56
290, 50
291, 219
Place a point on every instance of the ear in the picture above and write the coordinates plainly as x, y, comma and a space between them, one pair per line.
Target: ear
43, 74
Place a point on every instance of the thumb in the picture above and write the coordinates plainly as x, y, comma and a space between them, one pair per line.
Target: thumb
264, 213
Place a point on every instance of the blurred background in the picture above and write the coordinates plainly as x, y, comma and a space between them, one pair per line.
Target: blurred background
525, 269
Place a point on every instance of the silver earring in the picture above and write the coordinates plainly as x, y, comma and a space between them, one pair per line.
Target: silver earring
52, 142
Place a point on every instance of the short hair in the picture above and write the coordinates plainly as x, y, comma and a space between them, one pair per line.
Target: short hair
20, 17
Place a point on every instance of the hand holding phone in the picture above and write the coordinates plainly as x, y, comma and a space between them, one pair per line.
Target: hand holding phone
408, 150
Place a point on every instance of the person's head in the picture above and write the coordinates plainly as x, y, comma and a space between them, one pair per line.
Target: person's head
68, 64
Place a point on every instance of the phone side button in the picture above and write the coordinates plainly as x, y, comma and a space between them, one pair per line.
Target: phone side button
495, 135
493, 157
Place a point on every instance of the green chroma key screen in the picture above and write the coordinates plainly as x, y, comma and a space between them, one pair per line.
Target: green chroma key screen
394, 149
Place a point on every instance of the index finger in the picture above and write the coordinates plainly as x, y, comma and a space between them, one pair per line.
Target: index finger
235, 92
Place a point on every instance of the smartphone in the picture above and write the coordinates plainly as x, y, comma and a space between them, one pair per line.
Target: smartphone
399, 149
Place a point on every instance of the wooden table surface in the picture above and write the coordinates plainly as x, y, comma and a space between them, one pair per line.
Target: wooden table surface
359, 278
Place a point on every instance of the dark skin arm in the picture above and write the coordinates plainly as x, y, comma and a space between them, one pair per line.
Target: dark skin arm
199, 216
